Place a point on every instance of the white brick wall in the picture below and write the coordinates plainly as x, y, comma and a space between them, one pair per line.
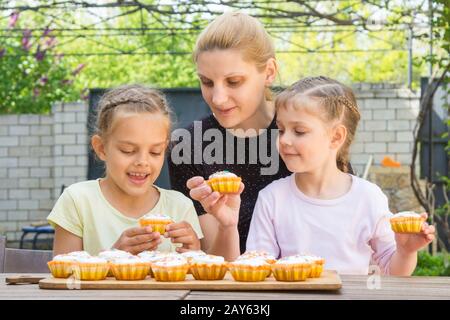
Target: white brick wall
32, 168
39, 153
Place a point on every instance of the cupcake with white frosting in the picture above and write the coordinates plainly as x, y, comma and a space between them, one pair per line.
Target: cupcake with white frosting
224, 182
130, 268
292, 268
170, 269
407, 222
249, 270
208, 267
61, 265
90, 268
255, 254
317, 265
158, 222
113, 254
155, 255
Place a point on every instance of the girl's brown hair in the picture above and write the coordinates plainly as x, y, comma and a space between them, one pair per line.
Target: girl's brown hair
236, 30
336, 100
129, 98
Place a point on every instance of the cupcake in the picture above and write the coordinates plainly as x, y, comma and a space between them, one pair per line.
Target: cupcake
170, 269
224, 182
153, 256
208, 267
61, 265
249, 270
407, 222
130, 268
189, 255
292, 268
257, 254
158, 222
113, 254
317, 265
90, 268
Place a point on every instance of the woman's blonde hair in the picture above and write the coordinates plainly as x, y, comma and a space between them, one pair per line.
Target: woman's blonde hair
236, 30
336, 100
130, 98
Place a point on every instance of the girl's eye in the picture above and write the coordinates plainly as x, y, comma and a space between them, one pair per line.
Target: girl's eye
156, 154
126, 151
207, 83
234, 83
280, 132
299, 133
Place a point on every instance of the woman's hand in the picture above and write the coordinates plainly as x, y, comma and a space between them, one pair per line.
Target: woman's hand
224, 207
136, 240
411, 242
182, 232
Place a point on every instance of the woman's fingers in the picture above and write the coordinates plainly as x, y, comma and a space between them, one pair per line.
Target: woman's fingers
200, 192
194, 182
136, 240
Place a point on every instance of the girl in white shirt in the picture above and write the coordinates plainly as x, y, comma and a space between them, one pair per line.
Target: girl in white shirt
321, 209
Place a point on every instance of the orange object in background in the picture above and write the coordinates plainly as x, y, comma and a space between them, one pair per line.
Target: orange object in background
389, 162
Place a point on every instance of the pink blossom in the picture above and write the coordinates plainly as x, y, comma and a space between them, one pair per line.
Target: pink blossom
13, 19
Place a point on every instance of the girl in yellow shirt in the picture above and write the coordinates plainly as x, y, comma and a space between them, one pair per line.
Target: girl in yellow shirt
133, 128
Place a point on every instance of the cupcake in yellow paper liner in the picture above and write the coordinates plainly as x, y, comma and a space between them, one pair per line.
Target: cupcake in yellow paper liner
170, 269
113, 254
407, 222
208, 267
61, 265
224, 182
90, 268
257, 254
131, 268
317, 265
189, 255
158, 222
249, 270
293, 268
153, 256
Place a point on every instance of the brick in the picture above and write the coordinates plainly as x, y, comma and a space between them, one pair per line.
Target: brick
40, 173
29, 204
8, 205
41, 130
3, 130
3, 172
81, 117
74, 128
47, 141
29, 162
40, 194
82, 139
57, 108
384, 136
65, 139
399, 147
46, 204
399, 104
29, 119
9, 183
64, 117
375, 147
29, 141
359, 159
10, 226
46, 183
407, 114
57, 129
74, 172
404, 159
375, 125
57, 150
75, 107
66, 160
385, 93
357, 148
9, 119
18, 173
18, 151
38, 215
384, 114
396, 125
19, 130
82, 161
375, 104
46, 120
3, 194
4, 152
9, 141
46, 162
405, 136
41, 151
19, 194
75, 150
29, 183
18, 215
8, 162
366, 114
3, 217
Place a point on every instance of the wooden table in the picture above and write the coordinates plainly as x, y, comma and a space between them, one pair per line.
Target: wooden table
353, 287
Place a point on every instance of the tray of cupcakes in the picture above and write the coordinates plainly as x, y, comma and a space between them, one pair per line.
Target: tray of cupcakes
192, 270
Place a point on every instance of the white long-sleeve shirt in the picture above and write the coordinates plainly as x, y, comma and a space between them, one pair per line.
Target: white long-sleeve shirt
351, 232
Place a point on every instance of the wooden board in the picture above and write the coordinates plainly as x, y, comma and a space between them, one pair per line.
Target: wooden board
329, 280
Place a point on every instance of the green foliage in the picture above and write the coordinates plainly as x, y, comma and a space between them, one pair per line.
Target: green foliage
428, 265
33, 75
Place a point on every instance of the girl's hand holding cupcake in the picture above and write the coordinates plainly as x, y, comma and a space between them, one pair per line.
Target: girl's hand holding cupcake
182, 232
411, 242
136, 240
224, 207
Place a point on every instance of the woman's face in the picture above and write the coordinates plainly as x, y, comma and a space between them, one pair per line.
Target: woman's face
232, 87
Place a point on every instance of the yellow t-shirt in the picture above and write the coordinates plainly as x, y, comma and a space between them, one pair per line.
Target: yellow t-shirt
84, 211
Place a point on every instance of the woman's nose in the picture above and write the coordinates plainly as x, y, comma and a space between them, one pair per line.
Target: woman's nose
142, 159
219, 96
